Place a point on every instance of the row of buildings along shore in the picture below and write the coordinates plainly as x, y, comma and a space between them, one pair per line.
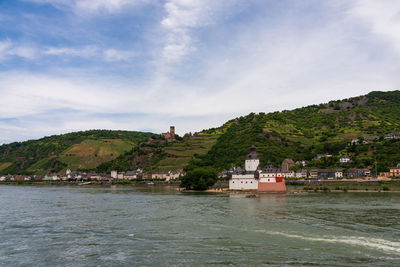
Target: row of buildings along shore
270, 178
314, 173
285, 170
93, 176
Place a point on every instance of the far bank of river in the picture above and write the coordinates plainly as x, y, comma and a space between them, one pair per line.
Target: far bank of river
222, 186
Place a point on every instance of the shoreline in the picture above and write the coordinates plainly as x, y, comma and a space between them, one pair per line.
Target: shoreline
337, 187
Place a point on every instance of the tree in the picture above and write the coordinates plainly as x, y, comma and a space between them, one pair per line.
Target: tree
199, 178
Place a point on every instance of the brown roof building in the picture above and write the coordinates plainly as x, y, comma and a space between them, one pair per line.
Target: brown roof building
287, 164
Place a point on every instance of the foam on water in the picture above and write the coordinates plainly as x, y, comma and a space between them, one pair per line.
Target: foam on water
372, 243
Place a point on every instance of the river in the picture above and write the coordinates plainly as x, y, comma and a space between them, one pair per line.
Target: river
159, 226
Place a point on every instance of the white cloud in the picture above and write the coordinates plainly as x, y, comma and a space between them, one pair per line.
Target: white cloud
8, 49
107, 5
5, 47
112, 54
93, 6
87, 51
183, 16
383, 18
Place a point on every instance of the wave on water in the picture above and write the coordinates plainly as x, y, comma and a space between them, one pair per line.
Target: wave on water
372, 243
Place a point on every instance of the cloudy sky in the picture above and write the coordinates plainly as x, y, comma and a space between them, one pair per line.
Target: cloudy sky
68, 65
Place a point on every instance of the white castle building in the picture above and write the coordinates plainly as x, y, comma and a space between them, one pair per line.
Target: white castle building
253, 178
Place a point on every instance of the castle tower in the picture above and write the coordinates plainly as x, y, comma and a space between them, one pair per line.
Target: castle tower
172, 132
252, 160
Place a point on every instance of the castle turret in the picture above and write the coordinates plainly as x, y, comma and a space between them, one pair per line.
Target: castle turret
252, 160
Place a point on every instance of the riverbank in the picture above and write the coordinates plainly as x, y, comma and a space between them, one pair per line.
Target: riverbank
221, 186
86, 183
344, 186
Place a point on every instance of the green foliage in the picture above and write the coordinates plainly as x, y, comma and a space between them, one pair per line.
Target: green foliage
199, 178
303, 133
298, 134
43, 155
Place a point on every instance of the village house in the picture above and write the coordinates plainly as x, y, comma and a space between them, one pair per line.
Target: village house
68, 174
395, 171
37, 177
94, 176
19, 178
171, 176
391, 136
147, 176
326, 173
158, 175
114, 174
345, 159
356, 173
290, 174
301, 173
130, 175
314, 173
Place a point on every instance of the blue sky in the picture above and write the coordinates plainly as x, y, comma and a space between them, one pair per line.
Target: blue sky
68, 65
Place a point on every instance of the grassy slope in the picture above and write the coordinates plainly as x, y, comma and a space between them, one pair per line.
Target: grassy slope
83, 150
179, 154
159, 155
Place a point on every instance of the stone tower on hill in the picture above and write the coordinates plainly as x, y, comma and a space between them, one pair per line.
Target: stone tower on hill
170, 136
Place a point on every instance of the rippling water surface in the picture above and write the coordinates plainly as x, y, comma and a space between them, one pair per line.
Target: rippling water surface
143, 226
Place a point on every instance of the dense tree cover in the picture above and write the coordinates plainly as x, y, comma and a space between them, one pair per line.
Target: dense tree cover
303, 133
25, 154
199, 178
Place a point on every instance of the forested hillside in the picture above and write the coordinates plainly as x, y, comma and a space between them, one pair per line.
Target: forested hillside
299, 134
303, 133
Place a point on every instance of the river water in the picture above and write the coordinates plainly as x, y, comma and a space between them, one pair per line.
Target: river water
158, 226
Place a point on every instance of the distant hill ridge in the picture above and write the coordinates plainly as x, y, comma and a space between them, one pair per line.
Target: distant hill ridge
79, 150
299, 134
303, 133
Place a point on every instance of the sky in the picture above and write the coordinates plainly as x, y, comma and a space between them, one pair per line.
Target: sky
71, 65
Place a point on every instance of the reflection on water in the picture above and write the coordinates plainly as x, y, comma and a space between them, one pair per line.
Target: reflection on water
266, 206
158, 225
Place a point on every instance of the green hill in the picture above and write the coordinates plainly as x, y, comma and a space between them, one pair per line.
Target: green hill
160, 155
299, 134
79, 150
303, 133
